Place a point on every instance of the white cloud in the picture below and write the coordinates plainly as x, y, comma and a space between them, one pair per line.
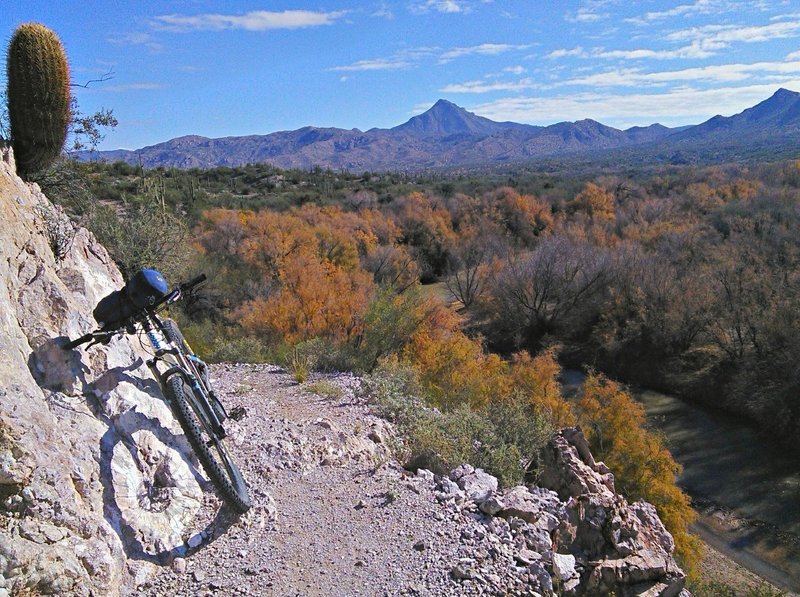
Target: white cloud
719, 36
445, 6
586, 15
487, 87
563, 53
482, 49
376, 64
384, 12
759, 72
694, 50
684, 105
699, 7
722, 73
514, 70
257, 20
137, 39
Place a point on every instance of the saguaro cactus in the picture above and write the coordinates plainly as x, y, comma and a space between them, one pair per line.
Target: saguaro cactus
38, 97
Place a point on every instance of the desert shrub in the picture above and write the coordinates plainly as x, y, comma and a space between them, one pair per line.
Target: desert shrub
702, 588
215, 342
324, 388
142, 234
501, 440
389, 322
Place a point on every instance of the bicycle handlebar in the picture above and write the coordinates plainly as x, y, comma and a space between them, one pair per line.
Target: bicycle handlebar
187, 286
75, 343
103, 335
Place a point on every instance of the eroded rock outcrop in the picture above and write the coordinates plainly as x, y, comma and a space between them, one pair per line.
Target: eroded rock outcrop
96, 482
570, 535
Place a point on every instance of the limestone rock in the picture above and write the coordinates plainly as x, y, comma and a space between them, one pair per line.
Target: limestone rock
626, 547
564, 566
88, 449
569, 469
477, 484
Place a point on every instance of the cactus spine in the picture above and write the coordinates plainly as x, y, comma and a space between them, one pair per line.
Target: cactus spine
38, 97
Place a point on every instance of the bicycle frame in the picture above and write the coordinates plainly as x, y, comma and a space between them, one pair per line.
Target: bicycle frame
177, 362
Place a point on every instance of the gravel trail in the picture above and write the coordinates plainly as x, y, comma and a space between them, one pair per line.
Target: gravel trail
332, 513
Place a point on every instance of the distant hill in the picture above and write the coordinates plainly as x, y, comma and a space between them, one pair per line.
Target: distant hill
447, 135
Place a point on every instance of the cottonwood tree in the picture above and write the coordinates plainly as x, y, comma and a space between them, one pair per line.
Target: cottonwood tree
552, 288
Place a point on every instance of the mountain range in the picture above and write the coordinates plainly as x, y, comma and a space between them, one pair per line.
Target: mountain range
448, 136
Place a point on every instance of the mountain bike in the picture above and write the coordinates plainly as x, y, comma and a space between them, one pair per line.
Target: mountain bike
186, 385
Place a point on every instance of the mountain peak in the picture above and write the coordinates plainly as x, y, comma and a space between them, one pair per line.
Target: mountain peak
781, 108
445, 118
443, 104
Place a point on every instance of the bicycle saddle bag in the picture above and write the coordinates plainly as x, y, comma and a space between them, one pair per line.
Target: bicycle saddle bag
143, 290
113, 310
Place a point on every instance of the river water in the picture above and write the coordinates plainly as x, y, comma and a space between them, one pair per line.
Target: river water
747, 487
727, 462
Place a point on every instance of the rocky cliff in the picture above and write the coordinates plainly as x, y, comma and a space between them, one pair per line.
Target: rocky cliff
96, 484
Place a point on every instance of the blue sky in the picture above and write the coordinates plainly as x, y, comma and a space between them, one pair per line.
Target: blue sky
254, 67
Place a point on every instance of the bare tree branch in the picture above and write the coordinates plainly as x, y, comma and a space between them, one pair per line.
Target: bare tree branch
104, 77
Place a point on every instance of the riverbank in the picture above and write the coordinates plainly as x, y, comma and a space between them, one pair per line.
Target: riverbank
719, 568
733, 560
746, 490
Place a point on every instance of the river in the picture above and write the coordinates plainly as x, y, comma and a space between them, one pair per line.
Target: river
746, 488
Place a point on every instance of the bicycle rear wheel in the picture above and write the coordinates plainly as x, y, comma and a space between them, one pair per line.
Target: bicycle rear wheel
209, 448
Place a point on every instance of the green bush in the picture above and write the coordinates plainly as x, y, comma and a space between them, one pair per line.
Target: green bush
502, 439
216, 343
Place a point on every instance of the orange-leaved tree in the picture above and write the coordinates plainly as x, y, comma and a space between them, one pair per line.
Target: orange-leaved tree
615, 425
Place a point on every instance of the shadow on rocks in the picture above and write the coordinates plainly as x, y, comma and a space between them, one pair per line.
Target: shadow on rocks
150, 514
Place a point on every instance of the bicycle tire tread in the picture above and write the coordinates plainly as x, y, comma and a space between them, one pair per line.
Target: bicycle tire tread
230, 485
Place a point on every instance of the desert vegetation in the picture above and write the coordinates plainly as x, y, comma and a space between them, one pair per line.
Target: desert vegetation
468, 292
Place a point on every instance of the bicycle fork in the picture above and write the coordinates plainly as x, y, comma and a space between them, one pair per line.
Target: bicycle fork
199, 393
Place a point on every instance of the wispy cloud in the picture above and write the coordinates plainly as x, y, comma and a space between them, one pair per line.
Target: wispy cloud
376, 64
721, 73
137, 39
489, 86
774, 72
563, 53
693, 50
699, 7
257, 20
142, 86
445, 6
413, 57
678, 106
587, 14
484, 49
703, 42
717, 37
383, 12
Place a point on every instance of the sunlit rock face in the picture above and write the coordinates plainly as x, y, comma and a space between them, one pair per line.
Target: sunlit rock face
97, 484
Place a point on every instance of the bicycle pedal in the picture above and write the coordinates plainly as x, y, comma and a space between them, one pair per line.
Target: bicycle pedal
238, 413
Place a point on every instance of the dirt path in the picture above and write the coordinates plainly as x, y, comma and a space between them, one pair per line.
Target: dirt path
332, 515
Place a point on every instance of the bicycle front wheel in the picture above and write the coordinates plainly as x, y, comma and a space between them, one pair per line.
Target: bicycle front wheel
207, 445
